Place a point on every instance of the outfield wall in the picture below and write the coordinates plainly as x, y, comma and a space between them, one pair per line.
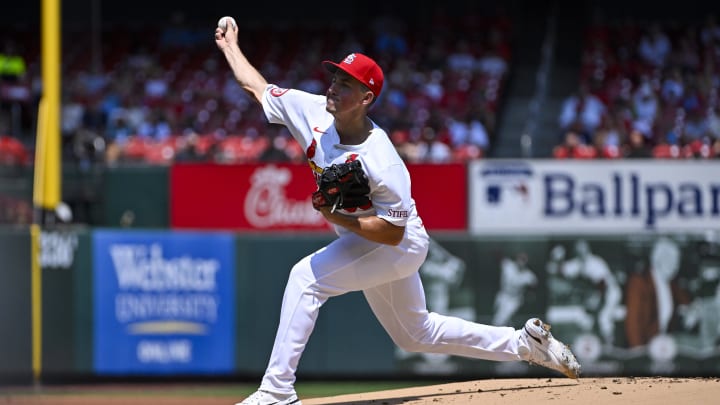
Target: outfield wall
132, 303
15, 305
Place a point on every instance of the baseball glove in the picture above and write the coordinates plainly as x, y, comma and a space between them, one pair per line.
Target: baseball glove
342, 185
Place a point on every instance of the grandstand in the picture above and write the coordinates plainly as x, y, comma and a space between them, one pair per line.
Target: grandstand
465, 81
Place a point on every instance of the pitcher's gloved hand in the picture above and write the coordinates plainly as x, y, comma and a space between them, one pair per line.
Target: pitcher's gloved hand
342, 186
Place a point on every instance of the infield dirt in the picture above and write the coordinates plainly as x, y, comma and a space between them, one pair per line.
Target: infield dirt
596, 391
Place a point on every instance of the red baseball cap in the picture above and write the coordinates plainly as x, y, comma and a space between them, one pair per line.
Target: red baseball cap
361, 67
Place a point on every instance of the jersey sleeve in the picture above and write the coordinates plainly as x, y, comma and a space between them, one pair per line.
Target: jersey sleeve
293, 108
391, 199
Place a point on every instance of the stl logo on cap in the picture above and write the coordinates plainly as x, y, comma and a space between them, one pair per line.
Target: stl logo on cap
361, 68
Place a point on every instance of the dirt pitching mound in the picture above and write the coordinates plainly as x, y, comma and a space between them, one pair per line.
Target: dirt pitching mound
560, 391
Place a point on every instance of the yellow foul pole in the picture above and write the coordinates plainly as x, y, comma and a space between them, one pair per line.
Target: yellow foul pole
47, 155
47, 171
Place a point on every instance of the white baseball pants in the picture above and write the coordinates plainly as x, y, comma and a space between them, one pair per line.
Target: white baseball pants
389, 278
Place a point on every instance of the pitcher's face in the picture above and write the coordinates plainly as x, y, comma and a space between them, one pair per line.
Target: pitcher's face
346, 94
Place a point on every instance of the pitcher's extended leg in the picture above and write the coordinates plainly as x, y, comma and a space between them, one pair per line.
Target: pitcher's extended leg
400, 307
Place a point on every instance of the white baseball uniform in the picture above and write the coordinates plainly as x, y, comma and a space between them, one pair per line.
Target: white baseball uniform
387, 275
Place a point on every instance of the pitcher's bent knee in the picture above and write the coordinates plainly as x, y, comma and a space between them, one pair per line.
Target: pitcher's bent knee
301, 273
414, 339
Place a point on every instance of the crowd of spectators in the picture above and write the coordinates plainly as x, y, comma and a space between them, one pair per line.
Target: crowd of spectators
647, 90
163, 95
12, 90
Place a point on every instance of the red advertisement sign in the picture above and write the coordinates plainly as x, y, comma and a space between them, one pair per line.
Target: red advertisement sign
441, 196
276, 197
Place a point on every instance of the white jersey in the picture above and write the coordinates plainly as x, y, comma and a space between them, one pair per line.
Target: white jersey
313, 127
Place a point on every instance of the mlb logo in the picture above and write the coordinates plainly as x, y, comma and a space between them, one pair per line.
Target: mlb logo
493, 194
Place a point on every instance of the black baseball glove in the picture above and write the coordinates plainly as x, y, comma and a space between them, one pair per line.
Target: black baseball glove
342, 185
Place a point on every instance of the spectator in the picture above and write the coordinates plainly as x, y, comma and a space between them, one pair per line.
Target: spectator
94, 117
93, 82
432, 149
673, 86
714, 122
408, 150
614, 129
637, 146
573, 148
156, 86
696, 127
582, 112
492, 64
645, 104
133, 110
693, 98
434, 87
276, 153
462, 58
118, 134
111, 99
119, 129
72, 112
189, 149
655, 46
88, 141
605, 144
466, 131
156, 128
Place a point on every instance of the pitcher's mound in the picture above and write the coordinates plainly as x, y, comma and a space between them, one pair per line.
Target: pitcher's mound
555, 391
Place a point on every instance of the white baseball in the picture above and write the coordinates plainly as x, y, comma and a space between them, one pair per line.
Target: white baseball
222, 23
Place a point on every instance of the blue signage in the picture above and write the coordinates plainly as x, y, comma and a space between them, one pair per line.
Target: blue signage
164, 302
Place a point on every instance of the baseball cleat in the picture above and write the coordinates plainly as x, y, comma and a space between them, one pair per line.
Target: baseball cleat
544, 350
268, 398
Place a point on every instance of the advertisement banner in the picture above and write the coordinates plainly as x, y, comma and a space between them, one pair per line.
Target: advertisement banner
164, 302
593, 197
276, 197
441, 209
243, 197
